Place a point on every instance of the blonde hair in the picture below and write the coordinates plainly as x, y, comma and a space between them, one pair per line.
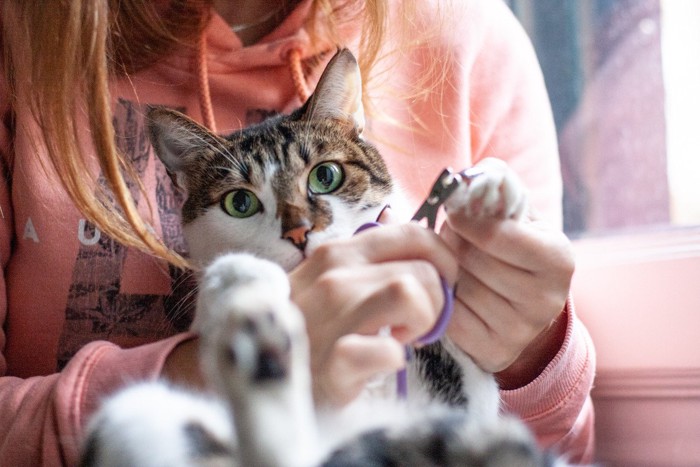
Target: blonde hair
99, 39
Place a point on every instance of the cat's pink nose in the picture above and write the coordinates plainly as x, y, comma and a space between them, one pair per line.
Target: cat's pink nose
298, 235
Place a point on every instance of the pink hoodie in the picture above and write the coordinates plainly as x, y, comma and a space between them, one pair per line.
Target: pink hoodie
82, 315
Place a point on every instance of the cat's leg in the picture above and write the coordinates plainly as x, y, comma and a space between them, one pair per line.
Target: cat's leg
444, 436
155, 425
443, 373
255, 352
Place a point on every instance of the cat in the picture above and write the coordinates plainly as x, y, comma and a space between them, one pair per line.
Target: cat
258, 202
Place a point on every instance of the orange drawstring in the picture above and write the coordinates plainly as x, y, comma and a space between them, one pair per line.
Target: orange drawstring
205, 107
297, 73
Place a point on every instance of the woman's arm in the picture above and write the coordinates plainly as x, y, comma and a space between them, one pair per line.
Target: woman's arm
42, 418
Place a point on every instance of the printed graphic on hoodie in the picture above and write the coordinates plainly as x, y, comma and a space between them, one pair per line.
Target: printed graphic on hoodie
99, 307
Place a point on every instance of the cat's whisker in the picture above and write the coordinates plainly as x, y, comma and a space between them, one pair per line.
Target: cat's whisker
230, 157
215, 145
178, 311
184, 304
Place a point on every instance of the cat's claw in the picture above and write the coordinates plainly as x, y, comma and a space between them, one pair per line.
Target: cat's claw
497, 192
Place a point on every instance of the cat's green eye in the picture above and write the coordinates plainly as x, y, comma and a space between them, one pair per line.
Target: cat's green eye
240, 203
325, 178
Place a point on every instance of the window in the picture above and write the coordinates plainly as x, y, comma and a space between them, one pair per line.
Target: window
622, 76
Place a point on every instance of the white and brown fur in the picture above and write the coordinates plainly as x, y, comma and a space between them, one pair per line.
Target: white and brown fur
253, 340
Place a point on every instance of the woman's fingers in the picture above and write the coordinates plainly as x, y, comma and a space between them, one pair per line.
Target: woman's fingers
407, 242
383, 276
404, 295
530, 246
356, 359
379, 245
388, 276
514, 284
526, 263
488, 328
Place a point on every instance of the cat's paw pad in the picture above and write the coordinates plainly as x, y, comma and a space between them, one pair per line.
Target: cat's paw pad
258, 348
497, 192
249, 328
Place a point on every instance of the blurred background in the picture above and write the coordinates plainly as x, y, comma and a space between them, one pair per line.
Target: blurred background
623, 79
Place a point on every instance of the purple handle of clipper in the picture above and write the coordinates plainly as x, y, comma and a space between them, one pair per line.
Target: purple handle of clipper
433, 335
365, 226
444, 319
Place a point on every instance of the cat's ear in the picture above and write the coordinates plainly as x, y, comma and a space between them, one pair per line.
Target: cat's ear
176, 139
338, 95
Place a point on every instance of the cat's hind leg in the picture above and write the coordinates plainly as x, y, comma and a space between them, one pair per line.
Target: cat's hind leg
442, 436
156, 425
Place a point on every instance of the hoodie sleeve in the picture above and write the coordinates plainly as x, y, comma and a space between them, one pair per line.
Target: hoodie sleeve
510, 118
42, 418
557, 404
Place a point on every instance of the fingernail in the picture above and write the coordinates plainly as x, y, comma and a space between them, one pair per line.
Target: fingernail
388, 206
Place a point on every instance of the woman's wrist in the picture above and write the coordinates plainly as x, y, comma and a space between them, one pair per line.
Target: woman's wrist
536, 356
181, 367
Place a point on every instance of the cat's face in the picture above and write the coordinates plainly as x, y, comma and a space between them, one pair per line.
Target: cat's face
281, 188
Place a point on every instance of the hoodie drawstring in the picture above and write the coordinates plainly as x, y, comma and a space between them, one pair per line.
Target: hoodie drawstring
203, 85
295, 70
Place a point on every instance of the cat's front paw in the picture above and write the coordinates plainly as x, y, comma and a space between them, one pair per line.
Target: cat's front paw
249, 328
254, 352
497, 192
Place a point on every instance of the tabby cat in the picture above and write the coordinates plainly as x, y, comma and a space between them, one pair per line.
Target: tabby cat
257, 203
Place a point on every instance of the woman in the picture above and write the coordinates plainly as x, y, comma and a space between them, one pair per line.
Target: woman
89, 302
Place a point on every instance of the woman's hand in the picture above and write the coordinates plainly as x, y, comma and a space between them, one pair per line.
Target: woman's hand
349, 289
513, 283
182, 365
